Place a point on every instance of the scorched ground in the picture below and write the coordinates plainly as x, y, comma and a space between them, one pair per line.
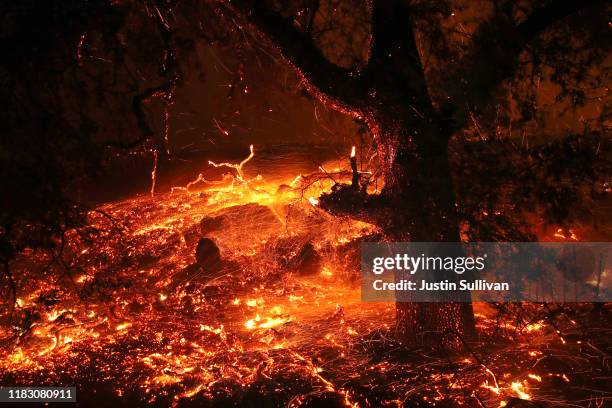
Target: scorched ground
133, 319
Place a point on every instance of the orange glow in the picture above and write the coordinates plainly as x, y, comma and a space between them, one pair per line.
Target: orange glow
326, 272
266, 313
565, 236
535, 377
533, 327
518, 388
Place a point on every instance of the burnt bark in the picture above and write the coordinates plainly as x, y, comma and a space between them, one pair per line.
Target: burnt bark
420, 188
417, 204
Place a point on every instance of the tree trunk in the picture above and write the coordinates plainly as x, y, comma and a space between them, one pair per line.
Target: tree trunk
419, 186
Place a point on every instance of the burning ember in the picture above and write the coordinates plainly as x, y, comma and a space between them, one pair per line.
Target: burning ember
140, 314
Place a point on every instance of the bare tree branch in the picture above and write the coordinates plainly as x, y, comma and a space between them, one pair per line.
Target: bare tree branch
344, 87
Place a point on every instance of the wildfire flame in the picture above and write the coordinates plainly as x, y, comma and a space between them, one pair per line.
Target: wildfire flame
259, 319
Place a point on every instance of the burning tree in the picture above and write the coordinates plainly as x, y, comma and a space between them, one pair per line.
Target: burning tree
414, 91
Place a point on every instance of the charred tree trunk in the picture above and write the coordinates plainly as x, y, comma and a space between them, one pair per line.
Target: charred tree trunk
417, 204
419, 187
432, 218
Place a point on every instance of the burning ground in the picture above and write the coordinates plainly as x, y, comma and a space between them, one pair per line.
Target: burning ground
138, 316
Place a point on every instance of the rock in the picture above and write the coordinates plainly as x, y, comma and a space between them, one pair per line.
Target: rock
301, 219
307, 261
208, 264
207, 253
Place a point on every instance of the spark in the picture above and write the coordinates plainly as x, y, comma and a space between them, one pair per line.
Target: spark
154, 173
220, 128
535, 377
123, 326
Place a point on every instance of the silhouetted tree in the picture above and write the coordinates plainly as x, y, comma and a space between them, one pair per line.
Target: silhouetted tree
413, 110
